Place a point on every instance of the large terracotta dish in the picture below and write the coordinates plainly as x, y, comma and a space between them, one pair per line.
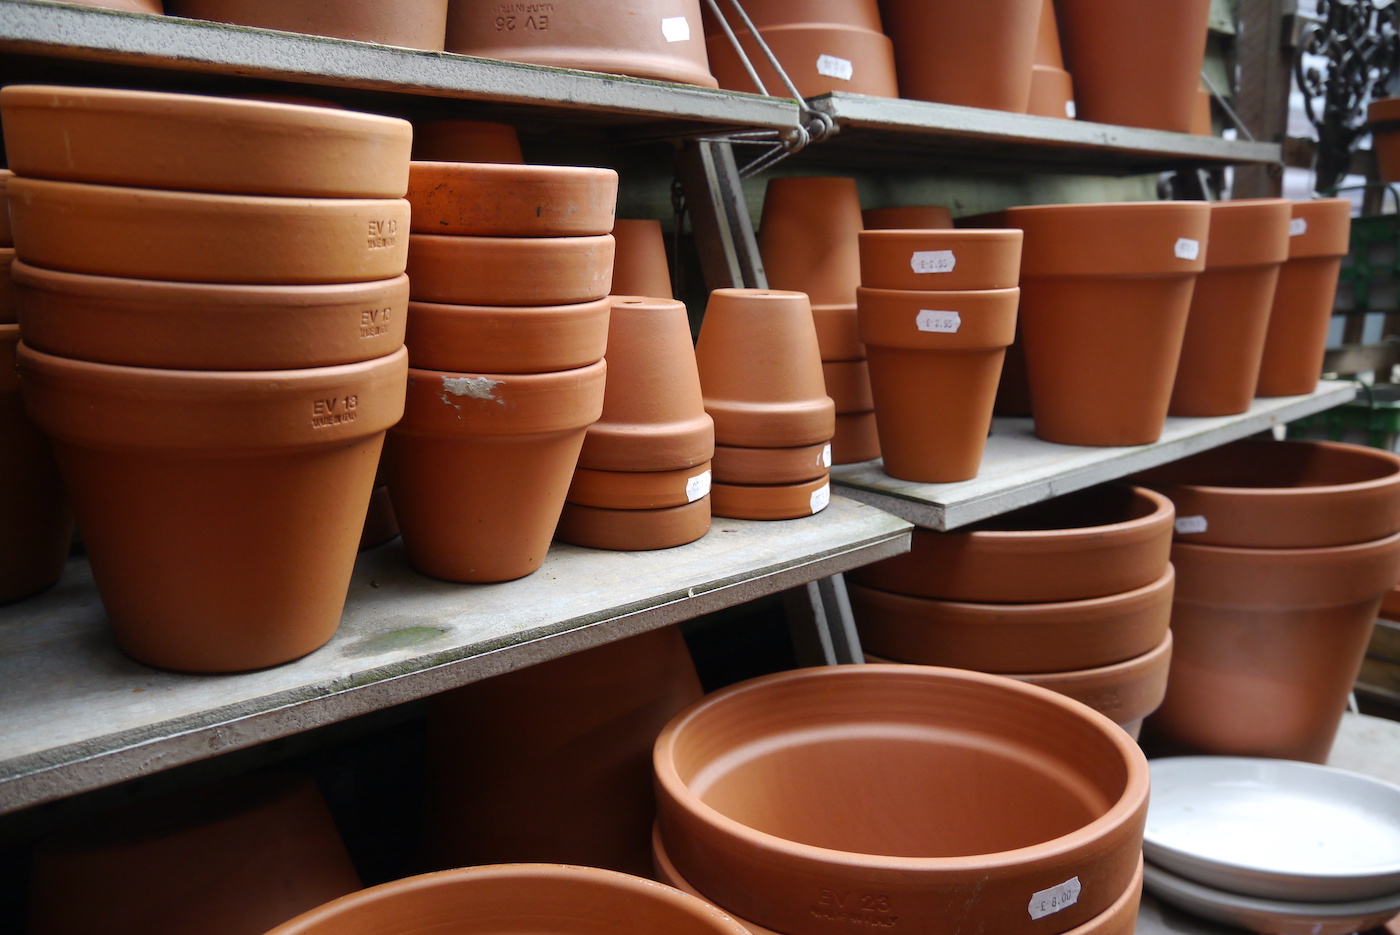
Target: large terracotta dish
491, 200
507, 339
947, 801
415, 24
146, 139
509, 270
940, 260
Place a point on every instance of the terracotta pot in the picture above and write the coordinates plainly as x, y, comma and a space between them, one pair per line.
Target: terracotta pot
857, 438
36, 526
523, 897
1105, 294
660, 40
507, 339
634, 530
488, 200
1014, 638
1268, 645
807, 236
6, 236
197, 326
1091, 543
771, 465
231, 858
639, 265
940, 260
971, 793
654, 415
380, 523
818, 57
144, 233
777, 501
1125, 692
146, 139
509, 270
639, 490
257, 575
1384, 117
848, 385
1135, 63
9, 312
855, 14
1283, 495
1052, 89
1014, 390
838, 334
479, 466
760, 370
561, 769
1320, 234
907, 217
466, 141
975, 54
935, 358
420, 24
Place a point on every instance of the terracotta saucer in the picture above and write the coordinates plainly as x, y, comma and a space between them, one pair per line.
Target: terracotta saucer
509, 270
634, 530
493, 200
506, 339
639, 490
779, 501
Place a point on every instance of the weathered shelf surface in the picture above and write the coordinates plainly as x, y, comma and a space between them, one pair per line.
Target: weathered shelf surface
76, 714
1019, 469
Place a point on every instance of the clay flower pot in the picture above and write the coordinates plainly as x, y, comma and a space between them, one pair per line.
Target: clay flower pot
1135, 63
507, 339
654, 415
952, 835
1106, 289
488, 200
807, 236
639, 264
479, 466
634, 530
143, 233
935, 358
146, 139
940, 260
420, 24
1384, 117
198, 326
771, 465
639, 490
466, 141
1282, 495
1052, 89
857, 438
838, 334
9, 307
1087, 544
458, 270
819, 57
848, 385
772, 502
1229, 317
1014, 638
907, 217
760, 370
257, 575
974, 54
1319, 235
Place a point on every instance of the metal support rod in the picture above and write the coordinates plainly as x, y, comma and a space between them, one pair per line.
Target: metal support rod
823, 629
719, 215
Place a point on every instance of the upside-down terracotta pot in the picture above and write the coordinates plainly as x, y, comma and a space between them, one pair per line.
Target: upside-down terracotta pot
1135, 62
1384, 117
1052, 88
907, 217
770, 502
1105, 292
940, 800
507, 339
257, 575
1091, 543
634, 530
420, 24
771, 465
147, 139
1229, 317
838, 333
466, 141
808, 238
818, 57
940, 260
1319, 236
857, 438
640, 266
638, 490
459, 270
492, 200
479, 466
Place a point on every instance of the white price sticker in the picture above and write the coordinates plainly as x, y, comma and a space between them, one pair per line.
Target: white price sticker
697, 487
1052, 900
820, 498
675, 29
826, 455
939, 322
933, 261
1069, 110
1187, 248
1297, 227
833, 66
1186, 525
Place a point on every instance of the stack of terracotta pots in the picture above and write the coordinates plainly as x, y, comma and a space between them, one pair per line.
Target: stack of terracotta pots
510, 268
180, 339
1052, 88
1073, 594
1285, 551
937, 310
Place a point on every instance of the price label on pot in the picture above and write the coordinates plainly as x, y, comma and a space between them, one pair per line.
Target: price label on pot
941, 322
1187, 248
933, 261
1297, 227
820, 498
1052, 900
826, 455
697, 487
1069, 110
833, 66
675, 29
1185, 525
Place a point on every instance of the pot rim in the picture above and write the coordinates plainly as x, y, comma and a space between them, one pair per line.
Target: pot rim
1315, 490
1304, 553
1105, 207
1015, 614
179, 201
118, 288
467, 242
1162, 507
512, 172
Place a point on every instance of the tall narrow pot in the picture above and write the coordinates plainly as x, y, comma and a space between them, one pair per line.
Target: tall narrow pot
640, 266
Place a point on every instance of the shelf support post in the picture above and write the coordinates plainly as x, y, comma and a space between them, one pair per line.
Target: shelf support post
719, 215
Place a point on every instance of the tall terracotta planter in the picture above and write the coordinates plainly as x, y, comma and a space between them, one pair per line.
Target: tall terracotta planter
1052, 88
639, 262
417, 25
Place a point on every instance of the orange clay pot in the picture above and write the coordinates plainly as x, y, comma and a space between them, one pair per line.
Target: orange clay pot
509, 270
1052, 89
6, 236
507, 339
639, 264
654, 415
848, 385
760, 370
818, 57
1319, 236
807, 236
1106, 289
197, 326
257, 575
771, 465
1384, 117
1091, 543
416, 25
1268, 645
1283, 495
857, 438
639, 490
935, 358
946, 797
9, 312
144, 233
487, 200
940, 260
1229, 316
908, 217
634, 530
479, 466
1201, 124
466, 141
838, 334
777, 501
146, 139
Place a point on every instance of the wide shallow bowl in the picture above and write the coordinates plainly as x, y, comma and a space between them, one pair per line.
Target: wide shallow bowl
1275, 829
491, 200
943, 800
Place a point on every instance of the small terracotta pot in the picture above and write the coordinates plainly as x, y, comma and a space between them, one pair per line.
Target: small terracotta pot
1268, 645
760, 370
198, 326
1087, 544
509, 270
1229, 317
940, 260
9, 311
777, 501
466, 141
907, 217
143, 233
807, 236
857, 438
818, 57
479, 466
639, 490
507, 339
491, 200
634, 530
752, 466
1283, 495
380, 523
952, 834
417, 25
838, 334
1135, 63
654, 415
1384, 117
1052, 89
848, 385
147, 139
1125, 692
639, 264
1319, 236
